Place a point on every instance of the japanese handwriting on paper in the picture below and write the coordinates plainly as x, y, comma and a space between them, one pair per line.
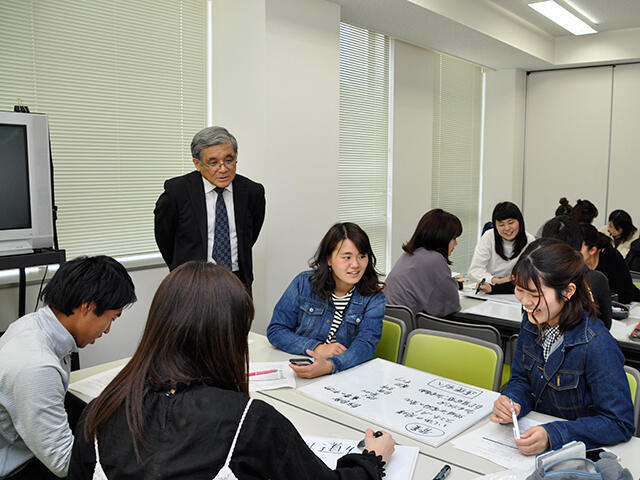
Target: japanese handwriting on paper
455, 388
338, 448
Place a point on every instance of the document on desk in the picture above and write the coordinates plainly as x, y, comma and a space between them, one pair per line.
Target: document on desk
505, 311
270, 376
94, 385
500, 297
494, 442
418, 404
401, 466
620, 330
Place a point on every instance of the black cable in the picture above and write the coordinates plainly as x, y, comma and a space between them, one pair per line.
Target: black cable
46, 269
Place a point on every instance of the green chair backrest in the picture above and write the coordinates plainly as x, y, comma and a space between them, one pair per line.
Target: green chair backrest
457, 357
390, 341
633, 386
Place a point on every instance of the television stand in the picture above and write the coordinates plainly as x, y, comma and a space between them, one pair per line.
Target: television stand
22, 261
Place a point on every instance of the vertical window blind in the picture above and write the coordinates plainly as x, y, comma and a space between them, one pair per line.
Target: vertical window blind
123, 84
456, 149
364, 137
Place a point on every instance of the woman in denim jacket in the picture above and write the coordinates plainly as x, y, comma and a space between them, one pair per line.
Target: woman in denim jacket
334, 312
566, 362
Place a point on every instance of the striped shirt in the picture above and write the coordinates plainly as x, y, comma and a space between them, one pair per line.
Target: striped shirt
339, 304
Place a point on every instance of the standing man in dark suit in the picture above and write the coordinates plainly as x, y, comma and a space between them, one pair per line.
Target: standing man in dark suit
212, 213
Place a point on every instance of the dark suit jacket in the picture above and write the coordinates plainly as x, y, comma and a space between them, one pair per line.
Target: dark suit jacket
181, 221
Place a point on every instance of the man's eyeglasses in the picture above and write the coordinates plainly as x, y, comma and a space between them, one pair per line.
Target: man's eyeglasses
229, 162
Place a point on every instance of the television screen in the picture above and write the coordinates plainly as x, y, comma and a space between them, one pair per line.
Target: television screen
14, 181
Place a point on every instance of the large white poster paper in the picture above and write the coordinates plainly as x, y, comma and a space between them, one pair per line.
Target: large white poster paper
426, 407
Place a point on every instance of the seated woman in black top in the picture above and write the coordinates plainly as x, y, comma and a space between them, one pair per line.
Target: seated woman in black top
174, 409
568, 230
599, 254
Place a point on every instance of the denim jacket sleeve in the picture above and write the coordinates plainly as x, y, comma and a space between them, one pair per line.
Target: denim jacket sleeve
519, 389
606, 379
282, 328
369, 331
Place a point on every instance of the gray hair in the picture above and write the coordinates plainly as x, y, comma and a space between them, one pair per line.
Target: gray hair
210, 136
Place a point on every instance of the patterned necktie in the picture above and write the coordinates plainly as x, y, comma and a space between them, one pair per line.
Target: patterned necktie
221, 241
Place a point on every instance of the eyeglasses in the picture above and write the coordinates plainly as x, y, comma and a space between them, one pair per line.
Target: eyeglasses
229, 163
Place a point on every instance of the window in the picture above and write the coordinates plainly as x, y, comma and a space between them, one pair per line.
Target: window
364, 134
457, 133
123, 84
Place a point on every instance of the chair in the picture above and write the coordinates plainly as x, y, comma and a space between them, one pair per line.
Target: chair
482, 332
402, 313
633, 376
391, 344
509, 350
455, 356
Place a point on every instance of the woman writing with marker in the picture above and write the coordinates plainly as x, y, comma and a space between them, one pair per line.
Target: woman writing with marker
498, 249
180, 408
566, 362
333, 312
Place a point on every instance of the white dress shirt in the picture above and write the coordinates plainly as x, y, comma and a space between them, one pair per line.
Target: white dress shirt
211, 197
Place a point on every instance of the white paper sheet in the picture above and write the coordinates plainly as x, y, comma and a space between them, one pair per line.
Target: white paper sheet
494, 442
92, 386
505, 311
418, 404
400, 467
283, 377
620, 330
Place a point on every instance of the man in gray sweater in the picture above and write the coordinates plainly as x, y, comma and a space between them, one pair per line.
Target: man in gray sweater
81, 300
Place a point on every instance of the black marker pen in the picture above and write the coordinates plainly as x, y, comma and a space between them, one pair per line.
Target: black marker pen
442, 474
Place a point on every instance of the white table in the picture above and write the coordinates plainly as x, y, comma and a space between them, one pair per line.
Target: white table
313, 417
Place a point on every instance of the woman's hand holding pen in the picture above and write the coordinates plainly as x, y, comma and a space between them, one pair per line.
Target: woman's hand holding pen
383, 444
502, 410
320, 366
533, 441
483, 286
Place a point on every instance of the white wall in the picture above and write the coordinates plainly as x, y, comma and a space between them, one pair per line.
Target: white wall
503, 140
412, 142
567, 140
276, 87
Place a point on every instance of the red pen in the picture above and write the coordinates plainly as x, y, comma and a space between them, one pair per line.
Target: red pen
263, 372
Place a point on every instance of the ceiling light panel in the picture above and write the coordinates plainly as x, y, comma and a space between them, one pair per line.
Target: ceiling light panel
562, 17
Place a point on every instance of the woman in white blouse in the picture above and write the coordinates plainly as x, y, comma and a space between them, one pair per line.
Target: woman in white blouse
498, 249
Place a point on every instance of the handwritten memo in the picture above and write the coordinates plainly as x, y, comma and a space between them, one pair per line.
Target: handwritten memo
401, 465
426, 407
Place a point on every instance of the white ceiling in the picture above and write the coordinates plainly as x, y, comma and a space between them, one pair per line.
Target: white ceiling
503, 34
602, 15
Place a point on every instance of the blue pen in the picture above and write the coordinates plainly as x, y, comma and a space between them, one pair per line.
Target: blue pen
480, 284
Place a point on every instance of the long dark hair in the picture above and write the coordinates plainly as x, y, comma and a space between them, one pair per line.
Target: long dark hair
197, 328
554, 263
503, 211
435, 230
584, 211
622, 221
322, 282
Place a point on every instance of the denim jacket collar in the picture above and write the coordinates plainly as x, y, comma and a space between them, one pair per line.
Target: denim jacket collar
580, 334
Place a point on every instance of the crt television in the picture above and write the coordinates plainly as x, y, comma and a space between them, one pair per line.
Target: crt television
26, 215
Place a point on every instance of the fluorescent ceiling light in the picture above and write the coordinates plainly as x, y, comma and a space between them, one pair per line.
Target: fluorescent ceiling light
562, 17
